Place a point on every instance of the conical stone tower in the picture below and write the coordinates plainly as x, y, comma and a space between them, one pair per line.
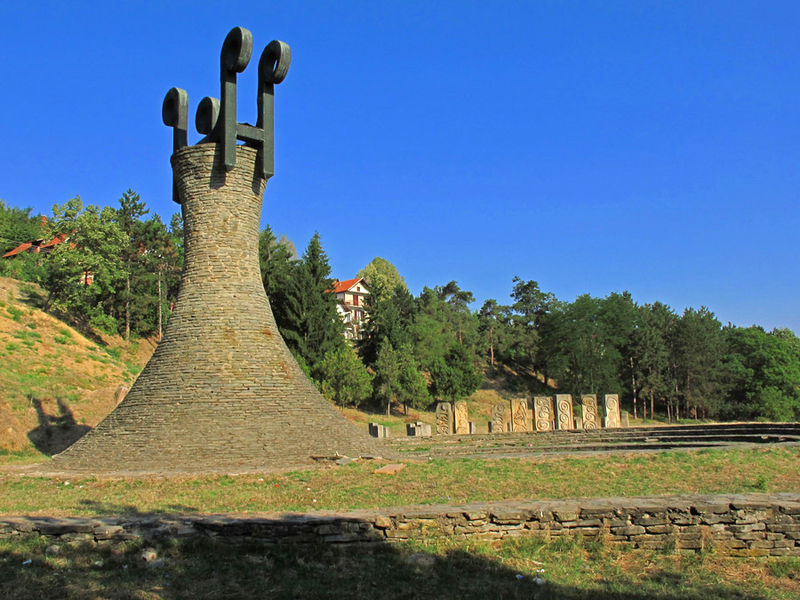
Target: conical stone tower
221, 393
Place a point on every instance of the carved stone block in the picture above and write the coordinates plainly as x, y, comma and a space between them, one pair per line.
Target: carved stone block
461, 416
612, 410
564, 417
501, 416
591, 419
444, 418
543, 412
521, 416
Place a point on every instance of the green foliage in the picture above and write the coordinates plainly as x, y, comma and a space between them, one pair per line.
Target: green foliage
583, 350
390, 321
382, 278
453, 376
313, 325
17, 226
279, 266
95, 244
764, 372
697, 347
343, 378
397, 379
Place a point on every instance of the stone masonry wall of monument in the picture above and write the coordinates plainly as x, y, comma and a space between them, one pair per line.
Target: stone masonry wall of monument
222, 391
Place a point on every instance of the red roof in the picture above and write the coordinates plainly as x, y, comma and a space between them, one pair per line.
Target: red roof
37, 244
342, 286
18, 249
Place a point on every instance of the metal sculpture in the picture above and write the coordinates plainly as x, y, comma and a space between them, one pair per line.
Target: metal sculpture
216, 118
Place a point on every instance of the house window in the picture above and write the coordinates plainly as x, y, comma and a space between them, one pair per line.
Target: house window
355, 300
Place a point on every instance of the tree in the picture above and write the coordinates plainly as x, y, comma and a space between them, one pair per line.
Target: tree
390, 321
697, 351
528, 312
96, 245
462, 321
398, 379
764, 371
453, 376
491, 326
343, 378
279, 275
17, 226
651, 356
131, 210
313, 326
382, 278
582, 351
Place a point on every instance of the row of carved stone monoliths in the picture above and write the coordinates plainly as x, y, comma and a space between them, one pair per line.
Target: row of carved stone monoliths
519, 416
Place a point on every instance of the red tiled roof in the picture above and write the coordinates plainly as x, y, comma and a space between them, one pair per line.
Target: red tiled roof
18, 249
343, 286
25, 246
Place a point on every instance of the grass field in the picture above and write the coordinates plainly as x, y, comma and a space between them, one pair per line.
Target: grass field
428, 482
442, 568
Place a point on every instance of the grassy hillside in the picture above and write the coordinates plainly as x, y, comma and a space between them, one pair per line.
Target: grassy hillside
55, 382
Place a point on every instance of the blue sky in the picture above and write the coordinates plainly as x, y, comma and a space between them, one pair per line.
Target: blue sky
592, 146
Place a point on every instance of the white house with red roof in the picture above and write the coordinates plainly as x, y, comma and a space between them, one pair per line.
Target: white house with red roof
351, 295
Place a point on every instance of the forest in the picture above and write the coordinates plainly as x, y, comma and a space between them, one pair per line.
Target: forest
415, 350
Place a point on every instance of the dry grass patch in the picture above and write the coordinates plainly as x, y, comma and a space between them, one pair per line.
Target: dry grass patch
429, 482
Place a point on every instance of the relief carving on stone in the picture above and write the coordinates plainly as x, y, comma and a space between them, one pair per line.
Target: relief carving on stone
500, 417
444, 418
590, 418
564, 416
543, 412
612, 410
520, 415
461, 414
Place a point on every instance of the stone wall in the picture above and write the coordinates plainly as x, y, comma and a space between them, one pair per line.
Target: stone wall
740, 525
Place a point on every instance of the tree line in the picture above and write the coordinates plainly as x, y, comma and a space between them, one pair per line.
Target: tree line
117, 271
415, 350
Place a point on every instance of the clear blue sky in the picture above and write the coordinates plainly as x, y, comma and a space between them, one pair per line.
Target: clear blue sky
592, 146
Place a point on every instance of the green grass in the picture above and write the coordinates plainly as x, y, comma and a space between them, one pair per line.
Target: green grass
441, 568
422, 482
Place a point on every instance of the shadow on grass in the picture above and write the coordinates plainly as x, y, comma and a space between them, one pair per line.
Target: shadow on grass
55, 433
206, 567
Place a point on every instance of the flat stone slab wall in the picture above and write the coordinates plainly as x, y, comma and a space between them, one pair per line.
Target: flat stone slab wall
740, 525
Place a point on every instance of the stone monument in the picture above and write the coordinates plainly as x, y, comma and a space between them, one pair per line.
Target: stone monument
521, 416
589, 406
612, 410
461, 417
543, 413
564, 411
444, 418
221, 392
500, 417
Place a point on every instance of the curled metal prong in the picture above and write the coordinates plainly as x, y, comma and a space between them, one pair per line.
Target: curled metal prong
175, 114
272, 68
274, 62
207, 116
236, 50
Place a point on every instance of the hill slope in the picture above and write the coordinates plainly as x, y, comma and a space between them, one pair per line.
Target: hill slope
55, 382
